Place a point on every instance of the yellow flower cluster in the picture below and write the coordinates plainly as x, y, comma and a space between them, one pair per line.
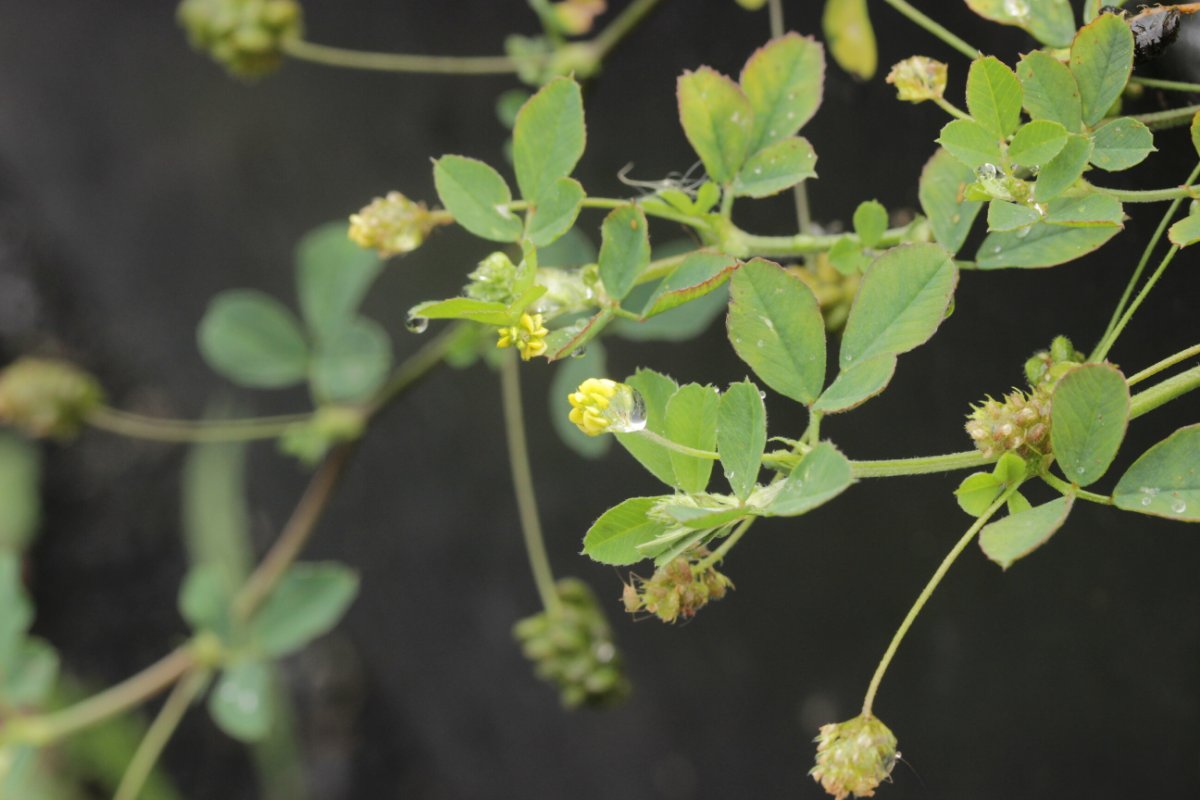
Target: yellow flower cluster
589, 404
528, 336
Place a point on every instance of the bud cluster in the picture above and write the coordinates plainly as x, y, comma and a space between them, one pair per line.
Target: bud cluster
834, 290
572, 647
676, 589
918, 78
854, 757
1020, 424
245, 36
46, 397
391, 225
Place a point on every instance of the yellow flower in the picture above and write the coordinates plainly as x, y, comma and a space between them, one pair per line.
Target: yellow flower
589, 404
604, 406
528, 336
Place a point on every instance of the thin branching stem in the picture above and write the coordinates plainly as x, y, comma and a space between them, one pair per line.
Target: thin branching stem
159, 734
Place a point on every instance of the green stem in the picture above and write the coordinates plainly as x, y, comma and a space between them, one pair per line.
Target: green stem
934, 28
1107, 339
922, 598
295, 533
1066, 488
740, 244
646, 433
413, 368
1170, 86
1166, 363
160, 732
621, 25
1144, 195
1102, 351
921, 465
49, 728
775, 17
1161, 393
522, 476
951, 109
718, 555
727, 202
1171, 118
397, 62
137, 426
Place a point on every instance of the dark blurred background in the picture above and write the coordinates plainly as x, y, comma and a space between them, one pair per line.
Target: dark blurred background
137, 180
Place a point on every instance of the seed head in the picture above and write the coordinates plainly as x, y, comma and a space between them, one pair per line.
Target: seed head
854, 757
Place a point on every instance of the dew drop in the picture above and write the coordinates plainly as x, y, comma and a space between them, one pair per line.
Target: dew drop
762, 395
1080, 470
1179, 506
987, 172
579, 352
1147, 500
416, 324
760, 343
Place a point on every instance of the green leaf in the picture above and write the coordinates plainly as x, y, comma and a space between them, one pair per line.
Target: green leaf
680, 323
783, 80
1101, 61
778, 166
1051, 92
741, 436
1049, 21
20, 493
253, 340
775, 326
1089, 210
1005, 216
900, 303
1064, 169
1165, 480
971, 143
717, 119
1186, 231
848, 257
1018, 535
698, 274
1195, 131
703, 518
18, 611
205, 597
692, 421
1010, 469
477, 197
1120, 144
1087, 421
308, 602
333, 275
548, 138
977, 492
994, 96
615, 536
1035, 143
821, 475
481, 311
870, 222
353, 363
1017, 503
554, 213
570, 339
240, 704
656, 389
570, 373
29, 679
857, 384
624, 249
574, 249
847, 29
1040, 246
941, 193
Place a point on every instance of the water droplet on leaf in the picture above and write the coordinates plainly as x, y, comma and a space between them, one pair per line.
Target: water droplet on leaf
416, 324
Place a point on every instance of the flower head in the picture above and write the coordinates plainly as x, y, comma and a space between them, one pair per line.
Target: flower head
392, 225
918, 79
46, 397
854, 757
605, 406
245, 36
677, 589
528, 336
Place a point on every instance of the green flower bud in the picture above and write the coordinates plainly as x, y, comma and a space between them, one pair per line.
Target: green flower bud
46, 397
493, 280
572, 647
245, 36
854, 757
